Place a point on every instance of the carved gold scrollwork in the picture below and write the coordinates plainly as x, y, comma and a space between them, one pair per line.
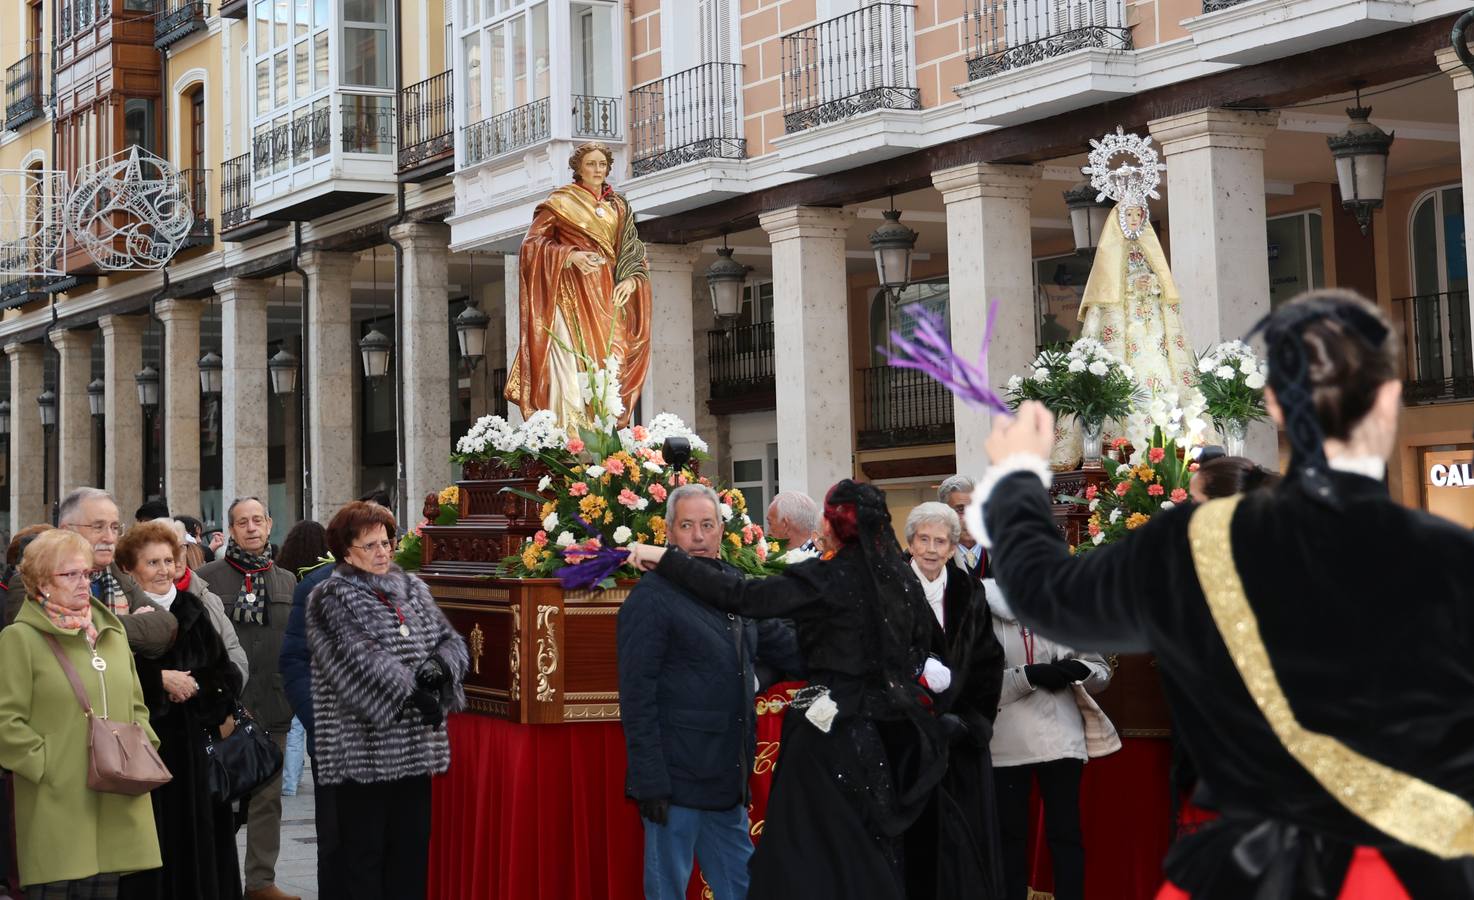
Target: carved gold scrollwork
547, 653
476, 643
514, 655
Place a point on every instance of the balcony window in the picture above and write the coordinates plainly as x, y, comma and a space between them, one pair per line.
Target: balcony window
507, 61
139, 127
366, 45
1008, 34
1440, 364
1296, 257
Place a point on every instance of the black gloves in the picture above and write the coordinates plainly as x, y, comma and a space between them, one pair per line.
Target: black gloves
424, 704
656, 810
1056, 676
432, 674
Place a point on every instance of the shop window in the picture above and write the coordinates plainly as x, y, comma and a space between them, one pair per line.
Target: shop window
1296, 255
1447, 476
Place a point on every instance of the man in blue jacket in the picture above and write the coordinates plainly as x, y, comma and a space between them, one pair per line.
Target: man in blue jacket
686, 689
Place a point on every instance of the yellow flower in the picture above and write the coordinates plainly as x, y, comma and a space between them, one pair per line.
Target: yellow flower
657, 528
735, 539
642, 537
739, 502
1136, 520
548, 509
451, 496
608, 518
593, 507
529, 556
1145, 473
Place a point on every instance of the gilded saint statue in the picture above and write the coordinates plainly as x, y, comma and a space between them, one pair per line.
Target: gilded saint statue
585, 295
1131, 304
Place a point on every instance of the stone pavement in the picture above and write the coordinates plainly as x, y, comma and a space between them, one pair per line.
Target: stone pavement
296, 867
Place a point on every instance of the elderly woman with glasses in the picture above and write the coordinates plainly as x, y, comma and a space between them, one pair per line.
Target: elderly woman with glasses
190, 691
386, 669
72, 841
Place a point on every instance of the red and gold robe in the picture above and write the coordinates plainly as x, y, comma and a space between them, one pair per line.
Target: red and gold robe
557, 299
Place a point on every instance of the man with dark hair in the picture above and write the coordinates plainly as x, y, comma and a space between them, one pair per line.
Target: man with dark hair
379, 496
194, 532
150, 510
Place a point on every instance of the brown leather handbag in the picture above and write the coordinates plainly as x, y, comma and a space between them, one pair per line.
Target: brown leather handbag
121, 759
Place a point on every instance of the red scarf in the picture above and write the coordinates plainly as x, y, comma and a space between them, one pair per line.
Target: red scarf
183, 583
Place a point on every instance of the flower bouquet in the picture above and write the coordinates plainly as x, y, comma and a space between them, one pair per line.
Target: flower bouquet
1231, 378
1084, 380
1132, 494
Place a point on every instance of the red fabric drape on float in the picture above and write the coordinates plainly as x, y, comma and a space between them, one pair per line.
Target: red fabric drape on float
535, 812
1125, 819
1369, 878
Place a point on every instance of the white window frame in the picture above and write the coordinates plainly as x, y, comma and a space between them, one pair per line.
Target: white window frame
1440, 244
265, 119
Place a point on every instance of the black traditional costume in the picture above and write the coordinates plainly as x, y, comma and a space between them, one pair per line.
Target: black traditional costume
1315, 647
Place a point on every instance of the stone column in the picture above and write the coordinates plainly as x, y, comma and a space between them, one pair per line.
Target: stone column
1216, 212
181, 411
122, 461
425, 360
811, 347
73, 411
1463, 81
512, 309
245, 390
989, 257
27, 441
332, 360
670, 385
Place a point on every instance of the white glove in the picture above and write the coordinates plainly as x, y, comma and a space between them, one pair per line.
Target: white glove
938, 677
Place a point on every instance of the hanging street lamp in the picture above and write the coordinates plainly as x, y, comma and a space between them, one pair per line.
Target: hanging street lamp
97, 398
1087, 217
212, 374
725, 279
47, 404
375, 349
893, 244
147, 381
1360, 153
282, 367
471, 334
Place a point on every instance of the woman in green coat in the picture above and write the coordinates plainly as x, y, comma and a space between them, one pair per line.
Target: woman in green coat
73, 842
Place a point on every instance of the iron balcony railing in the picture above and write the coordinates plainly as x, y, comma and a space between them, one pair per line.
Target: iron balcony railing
691, 115
1215, 5
1438, 360
426, 121
512, 130
595, 117
292, 143
175, 20
235, 192
740, 359
23, 91
1009, 34
855, 63
902, 406
368, 124
197, 182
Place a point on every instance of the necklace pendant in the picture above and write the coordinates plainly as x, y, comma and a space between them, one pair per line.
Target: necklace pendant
250, 598
403, 630
599, 211
99, 663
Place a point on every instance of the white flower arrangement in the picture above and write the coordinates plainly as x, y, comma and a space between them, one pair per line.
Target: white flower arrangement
1085, 380
493, 433
1231, 377
665, 425
1179, 414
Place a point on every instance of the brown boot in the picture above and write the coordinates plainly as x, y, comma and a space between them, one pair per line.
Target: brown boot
270, 892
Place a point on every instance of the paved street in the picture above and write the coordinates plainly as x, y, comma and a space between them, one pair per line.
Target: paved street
296, 869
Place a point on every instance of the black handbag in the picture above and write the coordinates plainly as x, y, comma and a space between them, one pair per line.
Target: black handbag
242, 762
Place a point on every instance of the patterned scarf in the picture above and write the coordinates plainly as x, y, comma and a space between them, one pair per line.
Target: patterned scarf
252, 602
68, 619
107, 589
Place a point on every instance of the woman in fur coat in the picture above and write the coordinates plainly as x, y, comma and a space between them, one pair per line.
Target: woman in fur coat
387, 666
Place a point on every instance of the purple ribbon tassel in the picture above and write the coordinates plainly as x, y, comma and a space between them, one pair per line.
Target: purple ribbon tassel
591, 568
929, 351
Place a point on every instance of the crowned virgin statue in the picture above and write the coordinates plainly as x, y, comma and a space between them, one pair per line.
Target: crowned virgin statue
585, 296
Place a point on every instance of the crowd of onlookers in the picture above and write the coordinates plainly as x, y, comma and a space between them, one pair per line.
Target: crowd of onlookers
202, 641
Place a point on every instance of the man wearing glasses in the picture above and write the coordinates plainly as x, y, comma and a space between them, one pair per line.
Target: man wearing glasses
258, 599
92, 513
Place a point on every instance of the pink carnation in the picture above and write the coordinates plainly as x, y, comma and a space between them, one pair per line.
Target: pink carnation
1178, 495
540, 538
578, 489
1090, 491
1122, 488
1155, 490
761, 549
658, 493
629, 499
1156, 454
639, 433
613, 466
575, 445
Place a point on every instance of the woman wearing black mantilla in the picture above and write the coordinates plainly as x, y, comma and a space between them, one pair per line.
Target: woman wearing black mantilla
1333, 738
861, 752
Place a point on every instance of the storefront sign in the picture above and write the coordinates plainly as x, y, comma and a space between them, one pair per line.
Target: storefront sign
1456, 475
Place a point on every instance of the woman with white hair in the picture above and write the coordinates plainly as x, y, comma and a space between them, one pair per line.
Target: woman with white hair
946, 854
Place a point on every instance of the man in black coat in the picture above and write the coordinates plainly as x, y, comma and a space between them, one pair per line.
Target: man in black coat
686, 691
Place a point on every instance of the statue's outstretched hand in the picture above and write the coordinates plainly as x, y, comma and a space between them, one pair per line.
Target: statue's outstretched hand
624, 290
1030, 431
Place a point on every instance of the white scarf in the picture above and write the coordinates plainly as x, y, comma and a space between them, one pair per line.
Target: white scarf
934, 590
164, 600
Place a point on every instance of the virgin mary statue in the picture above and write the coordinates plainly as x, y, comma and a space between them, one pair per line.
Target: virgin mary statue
585, 296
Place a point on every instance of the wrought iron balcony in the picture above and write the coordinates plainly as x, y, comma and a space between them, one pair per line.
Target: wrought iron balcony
512, 130
368, 124
427, 124
23, 91
1216, 5
855, 63
19, 258
900, 407
177, 19
596, 117
1009, 34
691, 115
235, 193
202, 234
1438, 362
741, 367
233, 9
290, 143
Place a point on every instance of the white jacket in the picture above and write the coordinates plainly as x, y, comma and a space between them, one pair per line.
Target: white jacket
1036, 726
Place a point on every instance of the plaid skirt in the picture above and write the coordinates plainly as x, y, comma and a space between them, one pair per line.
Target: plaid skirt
98, 887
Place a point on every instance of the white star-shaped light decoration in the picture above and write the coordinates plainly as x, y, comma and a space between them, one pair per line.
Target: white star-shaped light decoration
130, 210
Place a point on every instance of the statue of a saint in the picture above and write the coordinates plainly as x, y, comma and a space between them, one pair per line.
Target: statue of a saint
585, 295
1131, 304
